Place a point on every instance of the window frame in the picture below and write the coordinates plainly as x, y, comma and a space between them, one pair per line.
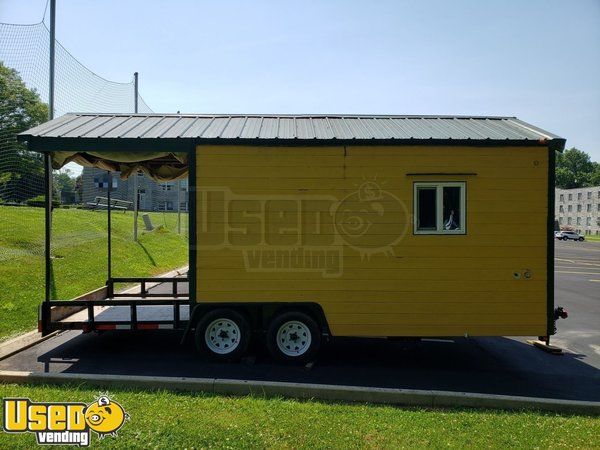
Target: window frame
439, 199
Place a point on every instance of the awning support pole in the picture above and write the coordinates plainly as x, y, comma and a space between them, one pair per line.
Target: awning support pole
178, 206
109, 237
47, 161
48, 220
136, 206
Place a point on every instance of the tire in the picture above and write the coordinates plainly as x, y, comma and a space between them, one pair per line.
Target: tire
223, 335
581, 239
293, 337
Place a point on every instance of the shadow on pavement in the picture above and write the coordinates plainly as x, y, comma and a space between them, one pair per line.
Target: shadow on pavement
486, 365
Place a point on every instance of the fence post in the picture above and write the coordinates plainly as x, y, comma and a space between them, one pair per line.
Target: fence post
47, 161
135, 89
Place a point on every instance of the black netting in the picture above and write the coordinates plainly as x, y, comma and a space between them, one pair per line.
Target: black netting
79, 219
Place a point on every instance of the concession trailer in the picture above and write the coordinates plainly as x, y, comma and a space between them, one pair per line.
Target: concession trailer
305, 227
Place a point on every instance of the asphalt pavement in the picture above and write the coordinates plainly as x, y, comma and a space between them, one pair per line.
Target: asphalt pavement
498, 365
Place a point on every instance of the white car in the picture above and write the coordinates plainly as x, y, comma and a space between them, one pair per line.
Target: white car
568, 235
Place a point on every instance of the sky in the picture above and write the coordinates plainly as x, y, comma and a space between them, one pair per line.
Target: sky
538, 60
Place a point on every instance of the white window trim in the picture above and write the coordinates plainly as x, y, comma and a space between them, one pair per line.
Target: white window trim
439, 196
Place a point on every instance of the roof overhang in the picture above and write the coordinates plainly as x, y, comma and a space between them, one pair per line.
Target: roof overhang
175, 145
154, 142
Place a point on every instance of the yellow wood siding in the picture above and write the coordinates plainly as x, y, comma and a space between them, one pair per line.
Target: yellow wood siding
268, 222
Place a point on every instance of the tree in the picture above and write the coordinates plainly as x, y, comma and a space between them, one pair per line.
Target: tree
595, 176
64, 181
574, 169
21, 171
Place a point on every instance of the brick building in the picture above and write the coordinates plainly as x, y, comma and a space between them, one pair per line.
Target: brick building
578, 209
152, 196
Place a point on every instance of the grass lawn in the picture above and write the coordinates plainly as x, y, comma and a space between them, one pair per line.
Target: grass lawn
592, 238
79, 256
171, 420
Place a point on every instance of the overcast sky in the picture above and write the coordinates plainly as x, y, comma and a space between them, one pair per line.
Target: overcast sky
538, 60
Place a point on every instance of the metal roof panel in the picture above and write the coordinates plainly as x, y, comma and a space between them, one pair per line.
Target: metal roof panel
197, 127
290, 127
66, 127
322, 128
216, 127
140, 129
269, 128
234, 128
124, 127
251, 128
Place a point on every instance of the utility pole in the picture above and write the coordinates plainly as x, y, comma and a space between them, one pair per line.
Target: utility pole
136, 187
47, 161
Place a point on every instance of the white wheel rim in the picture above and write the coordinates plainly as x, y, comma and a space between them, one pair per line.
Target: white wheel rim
293, 338
222, 336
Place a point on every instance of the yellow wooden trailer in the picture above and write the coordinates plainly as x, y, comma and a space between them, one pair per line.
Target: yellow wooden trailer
311, 226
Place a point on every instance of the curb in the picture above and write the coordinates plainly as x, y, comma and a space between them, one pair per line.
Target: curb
354, 394
22, 342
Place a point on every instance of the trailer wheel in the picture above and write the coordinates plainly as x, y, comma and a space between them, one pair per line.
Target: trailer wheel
223, 335
293, 337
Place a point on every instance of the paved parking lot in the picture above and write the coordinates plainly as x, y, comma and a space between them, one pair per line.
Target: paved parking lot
577, 284
490, 365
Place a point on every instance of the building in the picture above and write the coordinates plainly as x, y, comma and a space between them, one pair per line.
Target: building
152, 196
578, 209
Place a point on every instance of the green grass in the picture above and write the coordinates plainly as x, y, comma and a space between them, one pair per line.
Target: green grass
79, 256
170, 420
592, 238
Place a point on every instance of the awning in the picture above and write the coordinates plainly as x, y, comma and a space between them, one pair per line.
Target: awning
160, 166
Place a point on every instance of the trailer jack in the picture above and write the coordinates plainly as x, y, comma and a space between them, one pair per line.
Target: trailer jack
543, 342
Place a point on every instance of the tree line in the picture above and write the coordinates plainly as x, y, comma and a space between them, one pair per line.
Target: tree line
575, 169
22, 171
